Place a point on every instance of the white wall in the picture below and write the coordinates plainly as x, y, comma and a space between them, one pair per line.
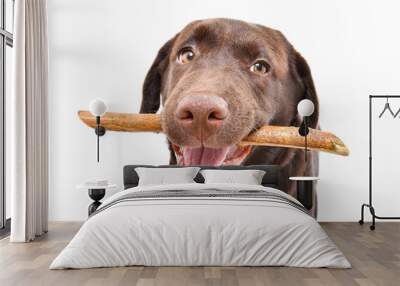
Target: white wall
103, 48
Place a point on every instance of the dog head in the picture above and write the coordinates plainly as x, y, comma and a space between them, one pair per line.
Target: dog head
220, 79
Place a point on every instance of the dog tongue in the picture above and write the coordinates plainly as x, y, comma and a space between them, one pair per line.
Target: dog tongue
204, 156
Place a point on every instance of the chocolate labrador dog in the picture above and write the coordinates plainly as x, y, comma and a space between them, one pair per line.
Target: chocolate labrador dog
220, 79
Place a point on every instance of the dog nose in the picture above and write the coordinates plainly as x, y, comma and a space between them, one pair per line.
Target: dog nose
201, 111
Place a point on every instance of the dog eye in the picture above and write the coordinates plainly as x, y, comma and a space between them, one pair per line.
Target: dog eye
185, 56
260, 67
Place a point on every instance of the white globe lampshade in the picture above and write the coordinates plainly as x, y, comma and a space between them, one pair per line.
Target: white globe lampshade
97, 107
305, 107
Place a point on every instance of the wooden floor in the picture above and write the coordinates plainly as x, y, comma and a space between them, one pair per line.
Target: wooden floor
375, 257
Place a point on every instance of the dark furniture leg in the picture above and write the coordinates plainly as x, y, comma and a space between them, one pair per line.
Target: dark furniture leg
96, 195
305, 193
372, 211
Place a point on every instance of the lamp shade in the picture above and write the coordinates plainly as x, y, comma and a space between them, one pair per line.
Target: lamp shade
305, 107
97, 107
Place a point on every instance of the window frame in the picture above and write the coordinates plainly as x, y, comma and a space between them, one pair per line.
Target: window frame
6, 39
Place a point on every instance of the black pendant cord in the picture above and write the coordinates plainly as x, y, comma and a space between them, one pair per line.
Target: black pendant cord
305, 145
98, 147
370, 205
98, 137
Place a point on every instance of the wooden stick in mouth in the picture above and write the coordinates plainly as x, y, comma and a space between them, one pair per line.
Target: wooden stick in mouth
268, 135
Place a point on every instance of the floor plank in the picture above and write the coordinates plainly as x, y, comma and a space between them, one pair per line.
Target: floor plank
375, 257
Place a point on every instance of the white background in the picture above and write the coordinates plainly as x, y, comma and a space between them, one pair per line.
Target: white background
103, 48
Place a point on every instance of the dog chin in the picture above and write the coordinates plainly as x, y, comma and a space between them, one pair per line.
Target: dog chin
206, 156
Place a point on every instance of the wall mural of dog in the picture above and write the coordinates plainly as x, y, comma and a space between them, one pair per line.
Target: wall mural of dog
220, 79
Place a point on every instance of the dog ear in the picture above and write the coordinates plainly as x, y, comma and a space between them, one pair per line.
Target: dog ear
304, 74
152, 83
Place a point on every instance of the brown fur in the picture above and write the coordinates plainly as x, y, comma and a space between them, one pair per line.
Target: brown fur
225, 49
